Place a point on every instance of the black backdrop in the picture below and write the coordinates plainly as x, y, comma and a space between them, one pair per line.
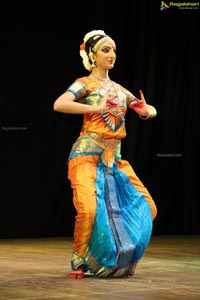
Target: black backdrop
157, 51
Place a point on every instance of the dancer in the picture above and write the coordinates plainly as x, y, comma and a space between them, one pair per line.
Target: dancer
115, 211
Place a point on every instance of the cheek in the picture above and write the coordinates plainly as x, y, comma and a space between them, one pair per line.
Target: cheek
101, 60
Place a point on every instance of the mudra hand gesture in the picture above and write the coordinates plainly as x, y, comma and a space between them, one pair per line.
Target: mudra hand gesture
107, 103
143, 109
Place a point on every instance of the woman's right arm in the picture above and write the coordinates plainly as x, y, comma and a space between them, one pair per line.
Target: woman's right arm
66, 104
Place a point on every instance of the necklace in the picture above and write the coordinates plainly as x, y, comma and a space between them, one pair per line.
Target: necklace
100, 78
108, 85
112, 91
105, 83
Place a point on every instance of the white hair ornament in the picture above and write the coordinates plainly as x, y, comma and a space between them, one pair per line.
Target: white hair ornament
88, 58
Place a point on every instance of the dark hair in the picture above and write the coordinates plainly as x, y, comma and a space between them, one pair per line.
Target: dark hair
91, 42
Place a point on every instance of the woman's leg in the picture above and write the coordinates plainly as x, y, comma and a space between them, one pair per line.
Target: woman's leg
125, 167
82, 174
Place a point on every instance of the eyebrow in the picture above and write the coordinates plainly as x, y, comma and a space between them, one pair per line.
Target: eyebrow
106, 46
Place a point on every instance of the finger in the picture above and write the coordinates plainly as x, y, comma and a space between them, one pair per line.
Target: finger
135, 100
112, 98
111, 105
110, 101
141, 95
136, 103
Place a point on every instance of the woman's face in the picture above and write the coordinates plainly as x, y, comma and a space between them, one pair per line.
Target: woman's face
105, 56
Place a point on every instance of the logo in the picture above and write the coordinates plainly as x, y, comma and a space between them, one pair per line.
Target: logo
179, 5
164, 5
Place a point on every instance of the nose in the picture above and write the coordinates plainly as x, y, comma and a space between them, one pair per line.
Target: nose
112, 54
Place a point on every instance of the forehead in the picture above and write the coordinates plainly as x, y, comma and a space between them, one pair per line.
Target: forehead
109, 43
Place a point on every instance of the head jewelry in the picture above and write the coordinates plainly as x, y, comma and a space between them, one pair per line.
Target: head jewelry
91, 43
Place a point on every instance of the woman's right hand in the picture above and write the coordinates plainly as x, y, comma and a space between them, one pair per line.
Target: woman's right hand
107, 103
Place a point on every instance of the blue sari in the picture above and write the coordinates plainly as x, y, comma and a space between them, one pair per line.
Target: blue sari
122, 227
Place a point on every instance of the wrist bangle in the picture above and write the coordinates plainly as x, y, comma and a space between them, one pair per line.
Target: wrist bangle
150, 114
145, 117
100, 110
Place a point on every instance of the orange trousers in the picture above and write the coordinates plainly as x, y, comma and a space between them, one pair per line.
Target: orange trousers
82, 175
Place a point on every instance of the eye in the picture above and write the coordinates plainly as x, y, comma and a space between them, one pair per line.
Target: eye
105, 50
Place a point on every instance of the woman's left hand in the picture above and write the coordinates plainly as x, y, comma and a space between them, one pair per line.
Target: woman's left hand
139, 105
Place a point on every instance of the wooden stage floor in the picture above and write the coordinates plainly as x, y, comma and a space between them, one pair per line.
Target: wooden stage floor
36, 268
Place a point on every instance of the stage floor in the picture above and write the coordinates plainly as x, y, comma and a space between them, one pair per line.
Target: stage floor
36, 269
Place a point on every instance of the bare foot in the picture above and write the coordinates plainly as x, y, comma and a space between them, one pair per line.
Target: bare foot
76, 274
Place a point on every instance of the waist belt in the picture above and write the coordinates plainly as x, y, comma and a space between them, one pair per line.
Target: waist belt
102, 142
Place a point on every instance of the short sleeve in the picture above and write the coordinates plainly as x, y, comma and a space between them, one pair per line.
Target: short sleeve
78, 89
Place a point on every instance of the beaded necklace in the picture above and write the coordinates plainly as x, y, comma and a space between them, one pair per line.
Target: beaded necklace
111, 90
105, 83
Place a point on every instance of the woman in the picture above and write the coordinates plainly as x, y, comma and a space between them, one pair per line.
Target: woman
115, 211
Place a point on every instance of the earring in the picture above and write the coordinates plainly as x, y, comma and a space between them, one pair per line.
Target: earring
93, 65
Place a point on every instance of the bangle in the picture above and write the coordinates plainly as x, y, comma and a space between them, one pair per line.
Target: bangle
100, 110
150, 114
145, 117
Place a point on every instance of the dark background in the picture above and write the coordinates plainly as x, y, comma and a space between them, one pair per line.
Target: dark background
157, 51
